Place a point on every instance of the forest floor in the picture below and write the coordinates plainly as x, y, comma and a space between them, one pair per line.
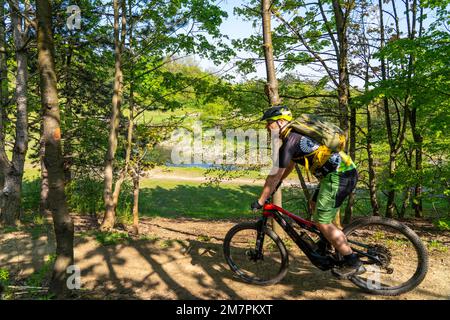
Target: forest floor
182, 259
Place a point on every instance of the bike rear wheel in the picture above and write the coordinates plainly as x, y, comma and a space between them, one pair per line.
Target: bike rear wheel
402, 259
242, 257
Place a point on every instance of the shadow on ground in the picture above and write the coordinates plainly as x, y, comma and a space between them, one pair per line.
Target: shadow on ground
176, 265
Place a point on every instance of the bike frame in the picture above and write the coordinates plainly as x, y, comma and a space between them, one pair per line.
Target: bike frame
323, 261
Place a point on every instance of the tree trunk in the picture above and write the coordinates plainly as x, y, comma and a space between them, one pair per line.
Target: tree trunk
110, 196
418, 139
4, 96
370, 160
53, 159
136, 179
405, 202
343, 89
13, 176
390, 205
417, 201
305, 191
372, 177
44, 209
68, 146
271, 87
351, 198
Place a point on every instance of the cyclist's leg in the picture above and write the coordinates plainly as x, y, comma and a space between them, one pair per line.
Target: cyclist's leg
333, 189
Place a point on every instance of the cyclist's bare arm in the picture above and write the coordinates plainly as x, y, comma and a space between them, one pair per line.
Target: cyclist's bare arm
273, 180
288, 170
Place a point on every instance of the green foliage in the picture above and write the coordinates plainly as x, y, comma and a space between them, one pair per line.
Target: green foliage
149, 237
436, 245
85, 195
9, 229
111, 238
5, 292
40, 277
203, 238
31, 192
443, 224
4, 276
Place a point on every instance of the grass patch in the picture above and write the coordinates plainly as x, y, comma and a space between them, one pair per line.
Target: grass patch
111, 238
149, 237
436, 245
203, 238
9, 229
172, 199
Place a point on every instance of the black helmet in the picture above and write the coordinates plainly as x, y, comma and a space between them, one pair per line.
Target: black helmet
276, 113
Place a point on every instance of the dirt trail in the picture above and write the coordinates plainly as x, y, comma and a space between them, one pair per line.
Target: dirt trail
182, 259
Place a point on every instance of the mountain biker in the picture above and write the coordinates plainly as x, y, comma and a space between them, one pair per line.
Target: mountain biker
337, 180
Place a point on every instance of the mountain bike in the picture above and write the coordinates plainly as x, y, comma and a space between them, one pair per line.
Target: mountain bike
395, 258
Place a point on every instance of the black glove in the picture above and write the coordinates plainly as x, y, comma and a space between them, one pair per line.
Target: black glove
255, 206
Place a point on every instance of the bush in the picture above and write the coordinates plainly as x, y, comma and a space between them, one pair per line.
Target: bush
31, 195
443, 224
85, 195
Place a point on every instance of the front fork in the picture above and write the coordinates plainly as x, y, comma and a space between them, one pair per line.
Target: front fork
260, 226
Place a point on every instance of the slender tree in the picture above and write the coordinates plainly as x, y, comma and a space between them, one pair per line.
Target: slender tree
13, 170
271, 87
110, 195
4, 97
53, 159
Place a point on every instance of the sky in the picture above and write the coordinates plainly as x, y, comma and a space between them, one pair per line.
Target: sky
235, 27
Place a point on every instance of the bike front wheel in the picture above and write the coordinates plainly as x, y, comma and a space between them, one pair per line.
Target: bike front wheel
395, 258
263, 267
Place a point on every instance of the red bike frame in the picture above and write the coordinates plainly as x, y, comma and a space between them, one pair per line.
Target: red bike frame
320, 258
270, 208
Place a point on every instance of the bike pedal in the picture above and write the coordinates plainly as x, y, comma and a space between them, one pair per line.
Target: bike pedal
335, 272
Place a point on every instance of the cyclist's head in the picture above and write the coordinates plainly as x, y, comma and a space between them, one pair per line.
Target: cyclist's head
279, 115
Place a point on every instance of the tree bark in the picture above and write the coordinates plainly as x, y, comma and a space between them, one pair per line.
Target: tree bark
343, 89
417, 136
372, 177
271, 87
12, 189
108, 194
4, 95
136, 179
305, 191
68, 146
390, 205
352, 139
370, 159
44, 209
53, 159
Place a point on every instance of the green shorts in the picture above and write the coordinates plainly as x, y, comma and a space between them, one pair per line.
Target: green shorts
333, 189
